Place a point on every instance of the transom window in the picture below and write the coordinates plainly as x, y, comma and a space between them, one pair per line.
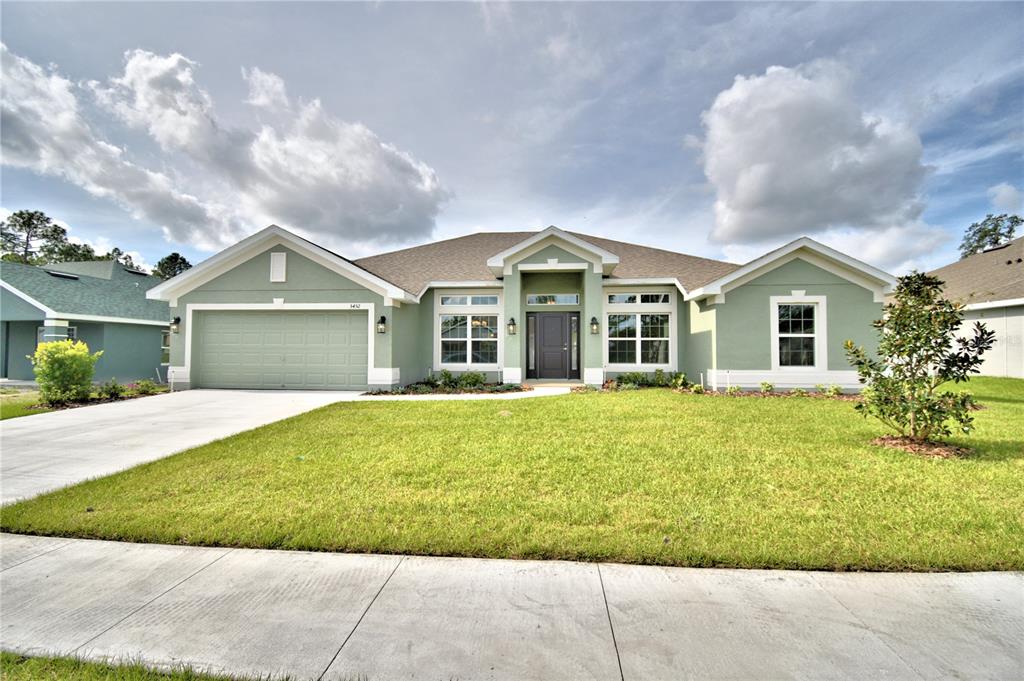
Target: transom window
553, 299
638, 338
631, 298
41, 333
449, 301
469, 339
796, 335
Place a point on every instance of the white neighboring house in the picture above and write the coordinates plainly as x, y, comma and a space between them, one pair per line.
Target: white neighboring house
991, 285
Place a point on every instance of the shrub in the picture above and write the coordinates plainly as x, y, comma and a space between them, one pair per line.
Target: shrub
917, 353
798, 392
145, 387
447, 380
637, 378
503, 388
820, 388
661, 379
697, 389
833, 390
63, 370
611, 384
430, 380
732, 390
420, 389
628, 386
471, 380
767, 387
679, 381
111, 390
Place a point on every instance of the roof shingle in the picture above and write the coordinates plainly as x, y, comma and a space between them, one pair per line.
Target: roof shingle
465, 259
995, 274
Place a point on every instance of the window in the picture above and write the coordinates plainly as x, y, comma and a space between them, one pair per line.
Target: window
41, 332
644, 298
469, 339
638, 338
796, 335
165, 347
450, 301
553, 299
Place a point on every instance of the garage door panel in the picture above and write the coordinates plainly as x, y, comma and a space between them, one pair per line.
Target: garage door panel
278, 349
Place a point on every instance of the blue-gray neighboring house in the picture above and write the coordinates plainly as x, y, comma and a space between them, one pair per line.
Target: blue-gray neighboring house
102, 303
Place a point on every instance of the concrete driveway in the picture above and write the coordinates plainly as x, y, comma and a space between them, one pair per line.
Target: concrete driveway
47, 451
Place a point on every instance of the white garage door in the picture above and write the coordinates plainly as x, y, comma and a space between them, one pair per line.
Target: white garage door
280, 350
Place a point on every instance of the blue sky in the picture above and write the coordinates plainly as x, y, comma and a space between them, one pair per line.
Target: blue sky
719, 129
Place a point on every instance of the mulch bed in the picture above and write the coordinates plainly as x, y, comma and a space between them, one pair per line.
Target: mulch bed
88, 403
425, 389
932, 450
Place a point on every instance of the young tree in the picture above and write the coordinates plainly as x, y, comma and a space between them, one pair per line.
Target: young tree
171, 266
992, 231
25, 233
917, 354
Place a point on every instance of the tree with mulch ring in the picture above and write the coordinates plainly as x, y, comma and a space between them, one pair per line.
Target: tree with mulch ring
918, 353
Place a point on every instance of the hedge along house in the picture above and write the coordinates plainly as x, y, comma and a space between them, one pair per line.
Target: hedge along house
102, 303
277, 311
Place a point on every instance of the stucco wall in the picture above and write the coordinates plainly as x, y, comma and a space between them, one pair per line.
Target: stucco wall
307, 282
743, 333
699, 353
19, 340
1006, 358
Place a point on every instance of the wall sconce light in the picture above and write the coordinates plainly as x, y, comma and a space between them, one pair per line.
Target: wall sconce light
595, 327
382, 324
512, 326
175, 325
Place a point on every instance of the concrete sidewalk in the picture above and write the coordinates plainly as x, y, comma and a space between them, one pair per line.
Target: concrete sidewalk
339, 616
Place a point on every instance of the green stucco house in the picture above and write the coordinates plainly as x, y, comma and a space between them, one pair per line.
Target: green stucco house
102, 303
277, 311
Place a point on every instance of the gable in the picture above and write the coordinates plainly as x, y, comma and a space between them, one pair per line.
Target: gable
300, 274
17, 309
797, 272
603, 261
551, 252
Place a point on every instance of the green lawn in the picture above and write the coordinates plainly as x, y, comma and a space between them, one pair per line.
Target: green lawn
18, 668
646, 476
20, 403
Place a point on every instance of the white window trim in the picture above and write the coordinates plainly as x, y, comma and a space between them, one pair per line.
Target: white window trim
638, 308
551, 304
375, 375
820, 330
70, 334
469, 310
167, 333
469, 298
278, 267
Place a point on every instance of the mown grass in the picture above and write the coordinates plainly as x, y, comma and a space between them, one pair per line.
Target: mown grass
643, 477
20, 403
20, 668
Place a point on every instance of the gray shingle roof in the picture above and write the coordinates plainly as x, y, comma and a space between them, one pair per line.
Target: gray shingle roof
113, 291
995, 274
465, 259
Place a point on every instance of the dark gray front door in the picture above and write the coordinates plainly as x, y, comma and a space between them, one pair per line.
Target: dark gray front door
556, 344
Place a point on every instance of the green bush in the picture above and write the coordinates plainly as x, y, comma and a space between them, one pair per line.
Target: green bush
111, 390
64, 371
627, 386
697, 389
798, 392
661, 379
833, 390
145, 387
767, 387
820, 388
637, 378
679, 381
471, 380
732, 390
420, 388
447, 379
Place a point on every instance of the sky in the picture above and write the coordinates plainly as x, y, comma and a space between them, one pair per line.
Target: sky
716, 129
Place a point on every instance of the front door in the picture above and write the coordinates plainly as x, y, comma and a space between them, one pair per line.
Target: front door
556, 344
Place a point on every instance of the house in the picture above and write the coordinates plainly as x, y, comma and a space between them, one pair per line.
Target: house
277, 311
102, 303
990, 284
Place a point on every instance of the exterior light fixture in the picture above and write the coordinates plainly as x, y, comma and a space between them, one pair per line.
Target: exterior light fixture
382, 324
595, 327
176, 325
512, 326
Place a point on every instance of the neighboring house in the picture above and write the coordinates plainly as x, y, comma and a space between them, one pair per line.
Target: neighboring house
991, 286
277, 311
102, 303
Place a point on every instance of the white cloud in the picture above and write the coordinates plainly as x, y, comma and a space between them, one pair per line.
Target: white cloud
44, 131
265, 89
328, 178
791, 152
1005, 198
